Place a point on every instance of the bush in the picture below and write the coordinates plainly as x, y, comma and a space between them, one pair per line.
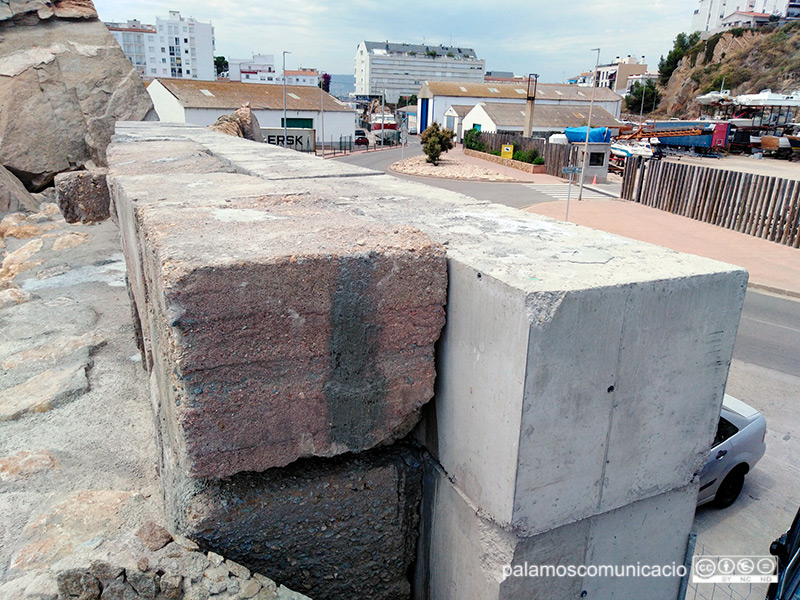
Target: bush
472, 140
538, 160
435, 141
527, 156
495, 152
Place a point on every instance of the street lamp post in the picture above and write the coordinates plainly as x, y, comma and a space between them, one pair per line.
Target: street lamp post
589, 124
641, 110
285, 52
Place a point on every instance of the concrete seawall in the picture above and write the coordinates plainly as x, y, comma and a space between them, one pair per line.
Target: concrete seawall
579, 375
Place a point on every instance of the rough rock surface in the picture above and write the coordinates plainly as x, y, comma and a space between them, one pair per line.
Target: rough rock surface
241, 123
13, 195
83, 195
64, 82
221, 323
177, 571
337, 528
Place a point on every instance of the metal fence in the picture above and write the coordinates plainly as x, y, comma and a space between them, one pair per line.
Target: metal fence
758, 205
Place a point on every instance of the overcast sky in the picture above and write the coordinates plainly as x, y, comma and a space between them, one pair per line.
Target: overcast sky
553, 39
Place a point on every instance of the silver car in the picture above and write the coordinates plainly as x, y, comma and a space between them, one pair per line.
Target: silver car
738, 446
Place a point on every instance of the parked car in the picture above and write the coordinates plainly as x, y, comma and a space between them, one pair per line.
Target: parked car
737, 447
362, 141
787, 549
360, 133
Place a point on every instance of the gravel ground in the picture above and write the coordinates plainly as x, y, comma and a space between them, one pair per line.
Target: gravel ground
448, 168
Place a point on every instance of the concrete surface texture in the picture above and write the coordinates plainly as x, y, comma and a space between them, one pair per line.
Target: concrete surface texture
580, 374
771, 266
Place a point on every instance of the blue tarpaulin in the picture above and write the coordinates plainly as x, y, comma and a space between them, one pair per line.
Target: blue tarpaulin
596, 135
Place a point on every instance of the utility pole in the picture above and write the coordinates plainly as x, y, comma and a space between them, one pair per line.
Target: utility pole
529, 105
322, 116
641, 110
589, 124
285, 52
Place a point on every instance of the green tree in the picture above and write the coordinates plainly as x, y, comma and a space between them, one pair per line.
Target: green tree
435, 141
633, 101
220, 64
682, 44
325, 83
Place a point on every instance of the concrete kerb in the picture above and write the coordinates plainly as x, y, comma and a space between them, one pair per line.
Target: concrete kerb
551, 322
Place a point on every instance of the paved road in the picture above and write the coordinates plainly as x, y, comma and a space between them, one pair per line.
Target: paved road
769, 333
516, 195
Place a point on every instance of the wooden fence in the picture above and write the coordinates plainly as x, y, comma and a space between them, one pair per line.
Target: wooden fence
555, 155
758, 205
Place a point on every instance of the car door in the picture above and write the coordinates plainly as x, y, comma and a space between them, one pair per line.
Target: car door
719, 460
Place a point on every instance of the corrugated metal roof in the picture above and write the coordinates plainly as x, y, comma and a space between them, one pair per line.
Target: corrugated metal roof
544, 91
506, 114
392, 48
232, 94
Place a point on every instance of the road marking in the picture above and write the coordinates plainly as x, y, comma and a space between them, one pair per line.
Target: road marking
771, 324
560, 191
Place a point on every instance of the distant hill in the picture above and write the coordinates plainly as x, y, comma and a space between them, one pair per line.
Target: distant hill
747, 61
342, 85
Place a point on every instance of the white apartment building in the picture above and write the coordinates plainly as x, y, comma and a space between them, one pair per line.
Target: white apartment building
400, 69
709, 14
173, 47
261, 69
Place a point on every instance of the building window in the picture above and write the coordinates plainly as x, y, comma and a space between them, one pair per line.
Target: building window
188, 71
164, 60
154, 71
597, 159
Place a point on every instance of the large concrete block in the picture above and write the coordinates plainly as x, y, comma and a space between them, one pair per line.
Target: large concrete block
278, 328
612, 555
614, 401
337, 528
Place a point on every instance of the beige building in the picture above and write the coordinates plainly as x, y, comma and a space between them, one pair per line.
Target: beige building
615, 74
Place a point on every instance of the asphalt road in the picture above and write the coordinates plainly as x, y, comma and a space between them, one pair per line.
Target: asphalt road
515, 195
765, 373
769, 333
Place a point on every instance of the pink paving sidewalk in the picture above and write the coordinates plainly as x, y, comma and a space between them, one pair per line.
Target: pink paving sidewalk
772, 266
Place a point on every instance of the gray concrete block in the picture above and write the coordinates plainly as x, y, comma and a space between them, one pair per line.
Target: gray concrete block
330, 528
496, 562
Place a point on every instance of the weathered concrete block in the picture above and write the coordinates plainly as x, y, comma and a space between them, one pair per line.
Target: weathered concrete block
493, 562
336, 528
280, 329
83, 195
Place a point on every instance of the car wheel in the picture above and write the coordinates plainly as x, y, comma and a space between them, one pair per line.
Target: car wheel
730, 488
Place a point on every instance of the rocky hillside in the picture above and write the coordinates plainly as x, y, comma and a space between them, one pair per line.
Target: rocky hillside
747, 61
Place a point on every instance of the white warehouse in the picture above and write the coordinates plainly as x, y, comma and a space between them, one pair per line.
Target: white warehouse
202, 102
399, 69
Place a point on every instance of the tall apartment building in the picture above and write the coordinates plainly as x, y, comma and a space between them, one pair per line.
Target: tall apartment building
400, 69
709, 14
173, 47
261, 69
